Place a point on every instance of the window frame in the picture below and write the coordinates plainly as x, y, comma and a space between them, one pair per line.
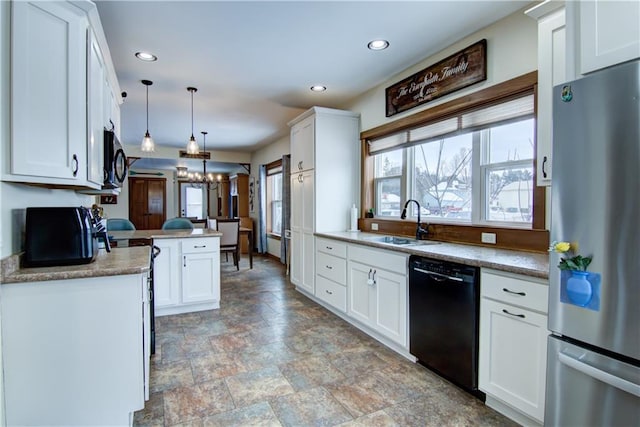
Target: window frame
499, 93
273, 168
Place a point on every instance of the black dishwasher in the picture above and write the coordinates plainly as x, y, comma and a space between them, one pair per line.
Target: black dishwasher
444, 299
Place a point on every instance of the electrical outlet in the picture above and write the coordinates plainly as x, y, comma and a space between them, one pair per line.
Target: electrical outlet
374, 226
489, 238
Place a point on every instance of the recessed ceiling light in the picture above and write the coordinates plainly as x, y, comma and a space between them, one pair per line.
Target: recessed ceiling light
378, 44
318, 88
146, 56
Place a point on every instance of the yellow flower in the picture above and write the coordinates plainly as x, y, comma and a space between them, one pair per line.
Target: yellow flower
562, 247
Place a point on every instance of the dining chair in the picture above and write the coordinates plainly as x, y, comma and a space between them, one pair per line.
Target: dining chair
118, 224
230, 239
177, 224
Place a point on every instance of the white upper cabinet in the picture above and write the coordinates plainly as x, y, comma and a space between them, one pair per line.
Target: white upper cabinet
302, 145
551, 71
609, 33
63, 90
96, 96
48, 66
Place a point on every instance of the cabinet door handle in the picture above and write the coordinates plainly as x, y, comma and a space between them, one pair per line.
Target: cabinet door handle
513, 314
329, 267
184, 262
74, 160
199, 246
329, 247
329, 292
513, 292
544, 164
300, 165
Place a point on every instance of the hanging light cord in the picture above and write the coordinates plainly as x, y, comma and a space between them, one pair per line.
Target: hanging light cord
147, 109
192, 137
204, 156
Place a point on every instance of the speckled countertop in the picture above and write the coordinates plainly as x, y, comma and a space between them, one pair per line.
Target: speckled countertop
162, 234
519, 262
120, 261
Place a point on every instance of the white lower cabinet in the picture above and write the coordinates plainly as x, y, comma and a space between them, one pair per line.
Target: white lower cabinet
199, 277
332, 293
73, 350
187, 275
377, 291
331, 273
513, 343
166, 274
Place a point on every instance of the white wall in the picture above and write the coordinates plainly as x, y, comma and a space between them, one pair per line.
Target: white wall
268, 154
16, 197
511, 51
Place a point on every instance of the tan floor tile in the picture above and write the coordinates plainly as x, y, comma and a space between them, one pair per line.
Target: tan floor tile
375, 419
186, 404
256, 386
258, 415
310, 407
166, 376
310, 372
216, 365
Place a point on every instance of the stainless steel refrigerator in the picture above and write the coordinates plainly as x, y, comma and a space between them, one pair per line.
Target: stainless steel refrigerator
593, 365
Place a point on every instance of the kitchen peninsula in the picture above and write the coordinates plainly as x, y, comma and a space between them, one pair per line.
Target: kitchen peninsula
186, 271
76, 340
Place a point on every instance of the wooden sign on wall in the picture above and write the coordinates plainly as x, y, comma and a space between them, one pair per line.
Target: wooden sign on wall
462, 69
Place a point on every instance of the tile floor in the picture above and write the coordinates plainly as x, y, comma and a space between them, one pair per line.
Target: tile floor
270, 356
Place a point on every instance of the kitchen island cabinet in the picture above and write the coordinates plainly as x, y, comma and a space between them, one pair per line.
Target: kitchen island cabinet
187, 270
76, 341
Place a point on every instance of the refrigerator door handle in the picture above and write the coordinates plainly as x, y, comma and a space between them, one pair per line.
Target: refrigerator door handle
601, 375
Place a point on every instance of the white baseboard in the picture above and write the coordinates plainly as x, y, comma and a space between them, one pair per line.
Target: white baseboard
511, 413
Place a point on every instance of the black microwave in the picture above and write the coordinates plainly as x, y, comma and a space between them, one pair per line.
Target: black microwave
115, 161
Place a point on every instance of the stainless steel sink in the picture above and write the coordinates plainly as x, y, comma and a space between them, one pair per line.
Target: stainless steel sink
400, 241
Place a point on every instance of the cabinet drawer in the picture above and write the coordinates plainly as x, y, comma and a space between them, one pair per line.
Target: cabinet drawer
200, 244
332, 247
332, 293
332, 267
381, 259
522, 291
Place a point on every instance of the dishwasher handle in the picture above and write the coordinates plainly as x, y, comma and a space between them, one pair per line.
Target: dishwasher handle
438, 275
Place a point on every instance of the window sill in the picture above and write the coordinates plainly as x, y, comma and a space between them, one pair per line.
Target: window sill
274, 236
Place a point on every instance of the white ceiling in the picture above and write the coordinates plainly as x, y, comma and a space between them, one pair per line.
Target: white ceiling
254, 61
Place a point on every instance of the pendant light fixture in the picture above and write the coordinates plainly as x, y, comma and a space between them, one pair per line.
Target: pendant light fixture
192, 145
196, 179
147, 142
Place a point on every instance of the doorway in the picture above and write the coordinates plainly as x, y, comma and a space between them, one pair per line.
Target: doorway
193, 201
147, 202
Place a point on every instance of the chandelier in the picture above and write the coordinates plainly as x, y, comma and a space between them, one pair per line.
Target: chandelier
198, 179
